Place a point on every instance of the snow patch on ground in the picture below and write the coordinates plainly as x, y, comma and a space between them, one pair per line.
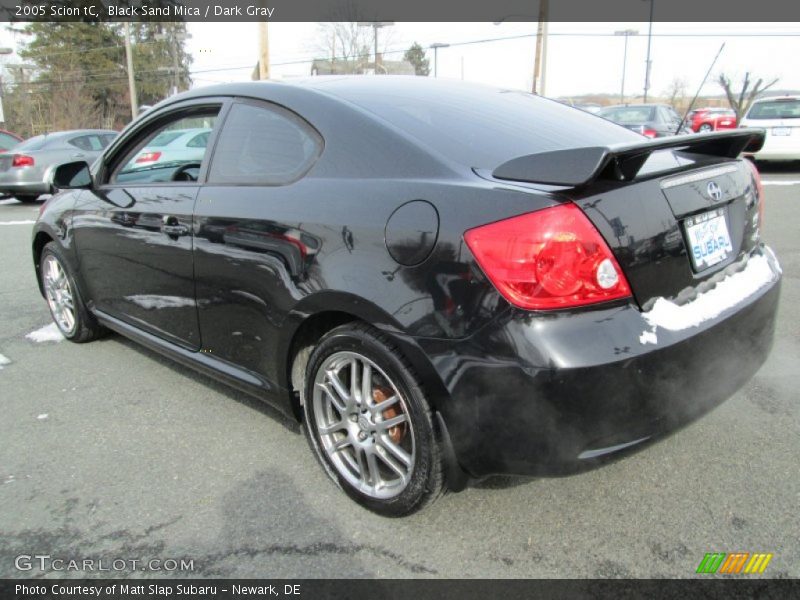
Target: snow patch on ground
43, 416
725, 295
4, 361
17, 222
148, 301
48, 333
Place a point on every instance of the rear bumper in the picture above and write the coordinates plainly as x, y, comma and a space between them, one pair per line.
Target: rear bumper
13, 189
779, 148
554, 394
24, 181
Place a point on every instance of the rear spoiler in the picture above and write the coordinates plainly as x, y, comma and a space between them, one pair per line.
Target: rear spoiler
621, 162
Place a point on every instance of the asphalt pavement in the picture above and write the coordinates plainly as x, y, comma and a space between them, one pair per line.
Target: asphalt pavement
108, 451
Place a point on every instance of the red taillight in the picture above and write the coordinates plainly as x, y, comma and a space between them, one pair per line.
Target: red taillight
759, 192
149, 157
22, 160
651, 133
552, 258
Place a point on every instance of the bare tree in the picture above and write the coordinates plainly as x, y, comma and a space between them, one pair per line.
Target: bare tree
676, 92
345, 43
740, 102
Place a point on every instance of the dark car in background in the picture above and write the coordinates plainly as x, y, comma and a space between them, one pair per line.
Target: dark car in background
25, 173
439, 280
650, 120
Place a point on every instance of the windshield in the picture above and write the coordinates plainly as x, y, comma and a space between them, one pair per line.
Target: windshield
775, 109
629, 115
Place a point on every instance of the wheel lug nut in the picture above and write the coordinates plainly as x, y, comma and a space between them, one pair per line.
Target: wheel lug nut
362, 436
354, 418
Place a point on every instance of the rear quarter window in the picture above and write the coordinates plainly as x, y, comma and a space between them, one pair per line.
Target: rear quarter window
263, 145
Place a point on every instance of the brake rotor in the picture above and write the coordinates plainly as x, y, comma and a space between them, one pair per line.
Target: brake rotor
398, 432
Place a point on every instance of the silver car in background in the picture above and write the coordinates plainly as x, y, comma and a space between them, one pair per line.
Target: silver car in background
25, 171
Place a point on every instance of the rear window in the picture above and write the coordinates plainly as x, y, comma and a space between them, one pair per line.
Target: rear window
35, 143
629, 115
775, 109
481, 126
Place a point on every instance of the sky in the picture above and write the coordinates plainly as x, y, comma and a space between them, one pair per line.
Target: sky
591, 62
581, 57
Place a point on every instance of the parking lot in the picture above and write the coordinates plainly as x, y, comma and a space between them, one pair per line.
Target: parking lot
109, 451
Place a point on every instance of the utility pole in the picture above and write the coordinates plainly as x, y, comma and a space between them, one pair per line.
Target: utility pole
627, 33
436, 46
263, 50
3, 52
540, 33
131, 78
376, 25
648, 62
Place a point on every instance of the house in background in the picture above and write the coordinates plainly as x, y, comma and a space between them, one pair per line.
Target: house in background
361, 66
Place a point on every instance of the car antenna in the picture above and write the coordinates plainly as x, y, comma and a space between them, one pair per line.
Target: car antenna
691, 104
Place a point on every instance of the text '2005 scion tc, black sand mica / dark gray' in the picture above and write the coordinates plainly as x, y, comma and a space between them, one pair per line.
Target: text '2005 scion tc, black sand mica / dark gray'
440, 280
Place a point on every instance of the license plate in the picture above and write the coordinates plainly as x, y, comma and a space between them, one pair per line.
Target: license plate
709, 240
781, 131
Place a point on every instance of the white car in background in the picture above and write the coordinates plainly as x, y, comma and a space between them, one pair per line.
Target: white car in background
172, 146
780, 117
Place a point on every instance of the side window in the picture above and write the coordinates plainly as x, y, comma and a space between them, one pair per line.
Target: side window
199, 141
164, 154
81, 142
106, 139
90, 143
264, 145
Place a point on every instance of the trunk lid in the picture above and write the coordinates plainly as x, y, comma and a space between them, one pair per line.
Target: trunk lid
671, 232
674, 211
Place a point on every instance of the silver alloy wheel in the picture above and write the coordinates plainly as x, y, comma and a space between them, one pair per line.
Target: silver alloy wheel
363, 425
59, 295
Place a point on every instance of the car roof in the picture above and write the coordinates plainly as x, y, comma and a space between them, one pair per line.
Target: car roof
639, 105
775, 99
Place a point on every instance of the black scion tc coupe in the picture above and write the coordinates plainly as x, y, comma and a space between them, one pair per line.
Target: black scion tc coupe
441, 280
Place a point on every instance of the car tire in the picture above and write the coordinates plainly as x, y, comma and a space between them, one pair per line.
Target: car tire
27, 198
705, 128
388, 460
66, 306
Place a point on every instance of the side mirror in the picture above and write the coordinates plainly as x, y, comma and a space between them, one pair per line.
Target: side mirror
74, 175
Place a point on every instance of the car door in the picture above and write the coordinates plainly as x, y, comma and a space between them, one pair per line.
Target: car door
252, 254
133, 231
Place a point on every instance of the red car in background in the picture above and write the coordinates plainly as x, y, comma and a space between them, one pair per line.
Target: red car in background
711, 119
8, 140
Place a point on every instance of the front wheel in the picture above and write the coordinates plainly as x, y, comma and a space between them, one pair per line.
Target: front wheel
369, 424
27, 198
69, 312
705, 128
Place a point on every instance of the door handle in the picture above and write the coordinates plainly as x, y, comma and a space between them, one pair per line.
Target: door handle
175, 230
78, 155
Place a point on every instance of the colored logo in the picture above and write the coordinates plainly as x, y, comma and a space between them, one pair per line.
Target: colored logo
734, 563
714, 191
